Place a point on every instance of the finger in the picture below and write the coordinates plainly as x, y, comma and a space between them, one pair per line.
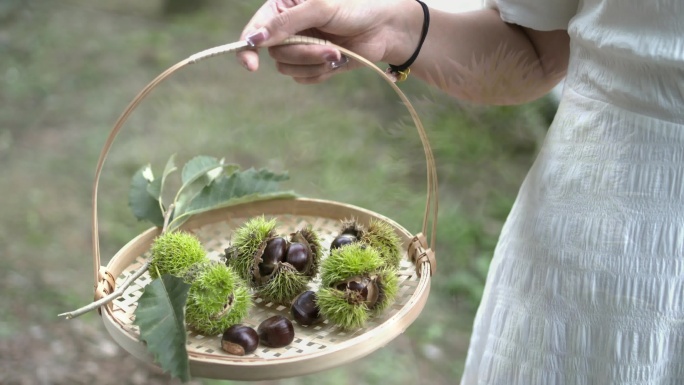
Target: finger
313, 79
304, 54
248, 59
309, 75
303, 71
330, 72
290, 21
265, 13
313, 70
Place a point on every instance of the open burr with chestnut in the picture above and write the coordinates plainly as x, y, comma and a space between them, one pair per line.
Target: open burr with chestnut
277, 267
356, 284
377, 234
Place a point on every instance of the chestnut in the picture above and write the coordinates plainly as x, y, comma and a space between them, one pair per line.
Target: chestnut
352, 228
276, 331
298, 256
364, 288
341, 240
358, 286
239, 340
274, 252
304, 309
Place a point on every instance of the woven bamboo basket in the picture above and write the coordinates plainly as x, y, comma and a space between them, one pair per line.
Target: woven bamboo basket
315, 348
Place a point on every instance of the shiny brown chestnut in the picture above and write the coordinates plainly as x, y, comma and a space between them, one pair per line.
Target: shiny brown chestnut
298, 256
305, 310
274, 252
239, 340
364, 289
341, 240
276, 331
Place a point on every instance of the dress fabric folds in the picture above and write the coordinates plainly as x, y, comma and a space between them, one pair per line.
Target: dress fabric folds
587, 281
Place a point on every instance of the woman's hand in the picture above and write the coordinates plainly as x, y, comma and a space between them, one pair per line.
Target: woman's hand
474, 56
370, 29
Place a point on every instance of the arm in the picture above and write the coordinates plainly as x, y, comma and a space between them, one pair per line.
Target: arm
473, 56
477, 57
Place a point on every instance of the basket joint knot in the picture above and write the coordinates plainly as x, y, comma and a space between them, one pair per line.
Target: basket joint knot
105, 286
419, 252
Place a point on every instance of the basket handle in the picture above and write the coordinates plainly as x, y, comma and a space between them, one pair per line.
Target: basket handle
419, 250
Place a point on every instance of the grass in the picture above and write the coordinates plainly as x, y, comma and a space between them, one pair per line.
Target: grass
347, 140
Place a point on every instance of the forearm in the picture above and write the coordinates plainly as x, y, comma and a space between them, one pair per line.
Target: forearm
477, 57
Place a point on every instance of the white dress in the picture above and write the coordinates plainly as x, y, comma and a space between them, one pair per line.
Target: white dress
587, 282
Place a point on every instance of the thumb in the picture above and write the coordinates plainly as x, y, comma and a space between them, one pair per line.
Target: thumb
290, 21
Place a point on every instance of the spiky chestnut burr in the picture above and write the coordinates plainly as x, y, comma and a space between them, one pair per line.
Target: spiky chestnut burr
308, 237
378, 234
277, 268
249, 240
218, 298
283, 285
355, 285
294, 270
174, 253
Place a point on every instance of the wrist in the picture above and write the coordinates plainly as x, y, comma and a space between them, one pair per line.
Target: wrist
404, 32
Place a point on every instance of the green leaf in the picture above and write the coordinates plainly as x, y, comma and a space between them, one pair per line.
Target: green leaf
143, 204
178, 221
198, 167
207, 183
239, 187
200, 173
154, 189
160, 317
170, 167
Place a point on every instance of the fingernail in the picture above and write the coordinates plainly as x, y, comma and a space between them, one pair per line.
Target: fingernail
332, 56
257, 37
339, 63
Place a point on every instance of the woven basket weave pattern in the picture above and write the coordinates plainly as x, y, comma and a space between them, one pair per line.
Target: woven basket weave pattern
308, 339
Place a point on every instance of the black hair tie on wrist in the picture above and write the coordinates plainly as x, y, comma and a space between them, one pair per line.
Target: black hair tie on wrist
401, 72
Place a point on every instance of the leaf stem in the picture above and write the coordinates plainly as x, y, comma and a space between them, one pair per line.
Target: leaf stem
115, 294
167, 217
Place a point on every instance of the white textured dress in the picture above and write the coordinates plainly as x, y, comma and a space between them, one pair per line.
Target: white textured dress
587, 282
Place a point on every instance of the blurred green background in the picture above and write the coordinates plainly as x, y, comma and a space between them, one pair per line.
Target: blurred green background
67, 70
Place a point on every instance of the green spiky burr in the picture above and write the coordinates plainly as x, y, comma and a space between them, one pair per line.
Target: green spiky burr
380, 235
352, 260
278, 269
377, 234
356, 284
333, 305
218, 298
284, 285
249, 240
388, 286
174, 253
310, 238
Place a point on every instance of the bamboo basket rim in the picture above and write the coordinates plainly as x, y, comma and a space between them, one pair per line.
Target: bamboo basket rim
210, 365
419, 251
